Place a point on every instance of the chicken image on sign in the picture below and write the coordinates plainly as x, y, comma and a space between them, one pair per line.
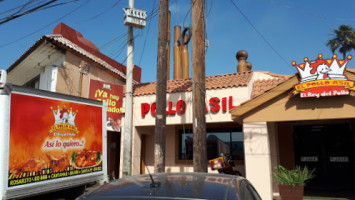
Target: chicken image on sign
112, 94
52, 138
322, 77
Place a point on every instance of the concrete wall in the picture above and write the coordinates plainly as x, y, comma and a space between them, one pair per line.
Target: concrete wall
260, 152
145, 126
68, 76
239, 95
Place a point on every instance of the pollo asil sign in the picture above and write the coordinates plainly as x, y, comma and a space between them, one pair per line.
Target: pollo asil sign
322, 77
52, 138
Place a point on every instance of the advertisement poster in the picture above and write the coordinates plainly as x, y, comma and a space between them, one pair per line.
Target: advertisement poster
51, 139
322, 77
113, 95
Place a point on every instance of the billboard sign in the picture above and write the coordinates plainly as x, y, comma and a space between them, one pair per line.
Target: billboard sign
113, 95
322, 77
52, 138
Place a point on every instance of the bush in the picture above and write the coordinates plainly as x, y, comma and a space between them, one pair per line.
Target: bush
297, 176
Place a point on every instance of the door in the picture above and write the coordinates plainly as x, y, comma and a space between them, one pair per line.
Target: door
329, 149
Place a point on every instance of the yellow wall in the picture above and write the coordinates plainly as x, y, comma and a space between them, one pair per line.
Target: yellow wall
282, 109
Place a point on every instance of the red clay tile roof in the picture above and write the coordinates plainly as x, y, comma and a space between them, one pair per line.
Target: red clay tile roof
185, 85
68, 44
261, 86
65, 43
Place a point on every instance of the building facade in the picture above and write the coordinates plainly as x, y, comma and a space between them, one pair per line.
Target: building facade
65, 62
223, 93
281, 128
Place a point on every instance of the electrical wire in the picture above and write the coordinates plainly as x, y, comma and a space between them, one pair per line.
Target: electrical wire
308, 13
58, 4
11, 9
50, 24
31, 10
132, 50
259, 33
109, 43
145, 40
98, 15
188, 12
14, 16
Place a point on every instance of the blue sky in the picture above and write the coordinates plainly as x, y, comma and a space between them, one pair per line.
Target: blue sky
274, 32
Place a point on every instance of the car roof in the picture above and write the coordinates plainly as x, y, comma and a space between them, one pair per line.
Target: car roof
170, 186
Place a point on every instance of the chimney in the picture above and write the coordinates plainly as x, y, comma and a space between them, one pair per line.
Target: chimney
185, 60
168, 57
243, 65
177, 53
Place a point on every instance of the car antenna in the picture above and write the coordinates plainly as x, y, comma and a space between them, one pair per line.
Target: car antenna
153, 184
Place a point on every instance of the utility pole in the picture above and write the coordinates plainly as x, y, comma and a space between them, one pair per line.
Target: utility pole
198, 86
162, 57
127, 144
133, 18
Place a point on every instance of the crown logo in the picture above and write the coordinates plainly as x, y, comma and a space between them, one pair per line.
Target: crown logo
64, 116
322, 69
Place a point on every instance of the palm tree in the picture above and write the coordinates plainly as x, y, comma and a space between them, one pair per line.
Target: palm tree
344, 38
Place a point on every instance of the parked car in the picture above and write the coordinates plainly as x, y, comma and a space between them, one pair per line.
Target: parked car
176, 186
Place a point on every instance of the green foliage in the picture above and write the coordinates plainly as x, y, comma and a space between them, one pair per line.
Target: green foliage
297, 176
344, 40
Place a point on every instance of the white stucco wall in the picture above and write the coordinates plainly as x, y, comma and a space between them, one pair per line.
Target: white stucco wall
49, 75
258, 157
238, 95
145, 125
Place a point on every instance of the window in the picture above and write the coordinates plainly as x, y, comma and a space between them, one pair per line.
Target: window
34, 83
218, 141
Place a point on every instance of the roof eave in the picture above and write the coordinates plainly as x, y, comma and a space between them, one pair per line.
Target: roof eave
27, 53
239, 112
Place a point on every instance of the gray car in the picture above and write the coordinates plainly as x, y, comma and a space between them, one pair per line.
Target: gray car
176, 186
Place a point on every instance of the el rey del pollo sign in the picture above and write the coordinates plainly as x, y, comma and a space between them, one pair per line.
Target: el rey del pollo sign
322, 77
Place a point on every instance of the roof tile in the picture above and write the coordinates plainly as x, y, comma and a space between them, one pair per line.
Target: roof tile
261, 86
185, 85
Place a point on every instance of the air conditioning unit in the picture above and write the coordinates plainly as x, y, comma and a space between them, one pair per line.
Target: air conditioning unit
2, 78
135, 18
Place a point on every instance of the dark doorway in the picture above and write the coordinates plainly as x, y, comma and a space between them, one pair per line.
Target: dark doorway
113, 154
329, 149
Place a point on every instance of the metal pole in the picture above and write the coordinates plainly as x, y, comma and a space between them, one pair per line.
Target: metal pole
127, 144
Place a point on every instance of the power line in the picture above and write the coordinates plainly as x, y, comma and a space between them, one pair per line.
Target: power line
100, 14
259, 33
193, 3
11, 9
145, 40
310, 14
109, 43
25, 36
14, 16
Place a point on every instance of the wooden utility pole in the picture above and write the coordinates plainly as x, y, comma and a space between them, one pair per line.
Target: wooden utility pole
198, 86
160, 119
